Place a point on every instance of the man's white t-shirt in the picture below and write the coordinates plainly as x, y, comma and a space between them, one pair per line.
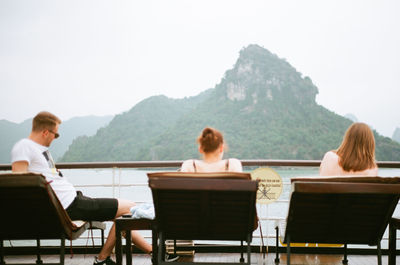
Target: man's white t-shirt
40, 161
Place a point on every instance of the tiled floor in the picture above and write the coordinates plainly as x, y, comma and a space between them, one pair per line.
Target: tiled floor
141, 259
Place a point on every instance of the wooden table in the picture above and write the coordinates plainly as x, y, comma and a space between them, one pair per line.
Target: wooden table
128, 224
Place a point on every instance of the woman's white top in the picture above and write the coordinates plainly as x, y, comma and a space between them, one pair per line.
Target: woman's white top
231, 165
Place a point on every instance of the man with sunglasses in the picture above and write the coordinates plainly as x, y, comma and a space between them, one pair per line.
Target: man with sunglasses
32, 155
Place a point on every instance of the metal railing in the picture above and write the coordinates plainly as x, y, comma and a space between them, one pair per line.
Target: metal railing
178, 163
268, 221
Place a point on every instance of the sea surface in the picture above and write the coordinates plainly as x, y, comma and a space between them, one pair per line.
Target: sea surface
131, 184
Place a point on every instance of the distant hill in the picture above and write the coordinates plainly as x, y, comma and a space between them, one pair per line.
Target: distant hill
396, 135
11, 132
130, 132
264, 106
75, 127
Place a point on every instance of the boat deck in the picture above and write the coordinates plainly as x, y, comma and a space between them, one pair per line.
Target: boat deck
142, 259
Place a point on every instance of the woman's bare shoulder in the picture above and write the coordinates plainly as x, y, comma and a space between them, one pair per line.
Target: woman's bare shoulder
330, 165
331, 155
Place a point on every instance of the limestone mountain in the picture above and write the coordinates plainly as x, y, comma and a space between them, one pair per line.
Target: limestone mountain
263, 105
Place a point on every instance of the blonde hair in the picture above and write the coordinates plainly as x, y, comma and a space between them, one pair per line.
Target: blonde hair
210, 139
44, 121
357, 151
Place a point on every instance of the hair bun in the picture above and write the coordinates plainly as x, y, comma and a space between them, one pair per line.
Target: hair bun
210, 139
207, 131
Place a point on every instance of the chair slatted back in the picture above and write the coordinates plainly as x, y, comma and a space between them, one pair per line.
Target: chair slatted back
30, 209
204, 206
352, 210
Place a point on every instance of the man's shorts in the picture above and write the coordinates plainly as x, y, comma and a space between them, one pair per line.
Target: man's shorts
92, 209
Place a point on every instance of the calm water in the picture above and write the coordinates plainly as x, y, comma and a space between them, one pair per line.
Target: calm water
131, 184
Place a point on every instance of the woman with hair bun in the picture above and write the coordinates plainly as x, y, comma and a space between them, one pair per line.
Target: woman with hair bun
211, 146
355, 156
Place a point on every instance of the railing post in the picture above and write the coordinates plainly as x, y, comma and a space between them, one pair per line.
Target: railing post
113, 181
119, 182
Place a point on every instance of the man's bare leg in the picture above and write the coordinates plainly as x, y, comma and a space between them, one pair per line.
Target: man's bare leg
124, 207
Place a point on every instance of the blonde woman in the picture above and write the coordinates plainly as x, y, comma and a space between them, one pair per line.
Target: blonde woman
211, 147
355, 156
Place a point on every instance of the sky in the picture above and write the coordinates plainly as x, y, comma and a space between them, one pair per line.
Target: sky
94, 57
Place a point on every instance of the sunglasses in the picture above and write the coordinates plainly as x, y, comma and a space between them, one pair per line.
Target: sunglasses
56, 135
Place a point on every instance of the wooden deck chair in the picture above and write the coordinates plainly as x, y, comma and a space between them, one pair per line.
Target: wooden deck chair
203, 206
341, 210
31, 210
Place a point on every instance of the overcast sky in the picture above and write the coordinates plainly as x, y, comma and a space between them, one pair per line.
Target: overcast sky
77, 58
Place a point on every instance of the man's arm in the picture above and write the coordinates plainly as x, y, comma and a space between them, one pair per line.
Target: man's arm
20, 166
